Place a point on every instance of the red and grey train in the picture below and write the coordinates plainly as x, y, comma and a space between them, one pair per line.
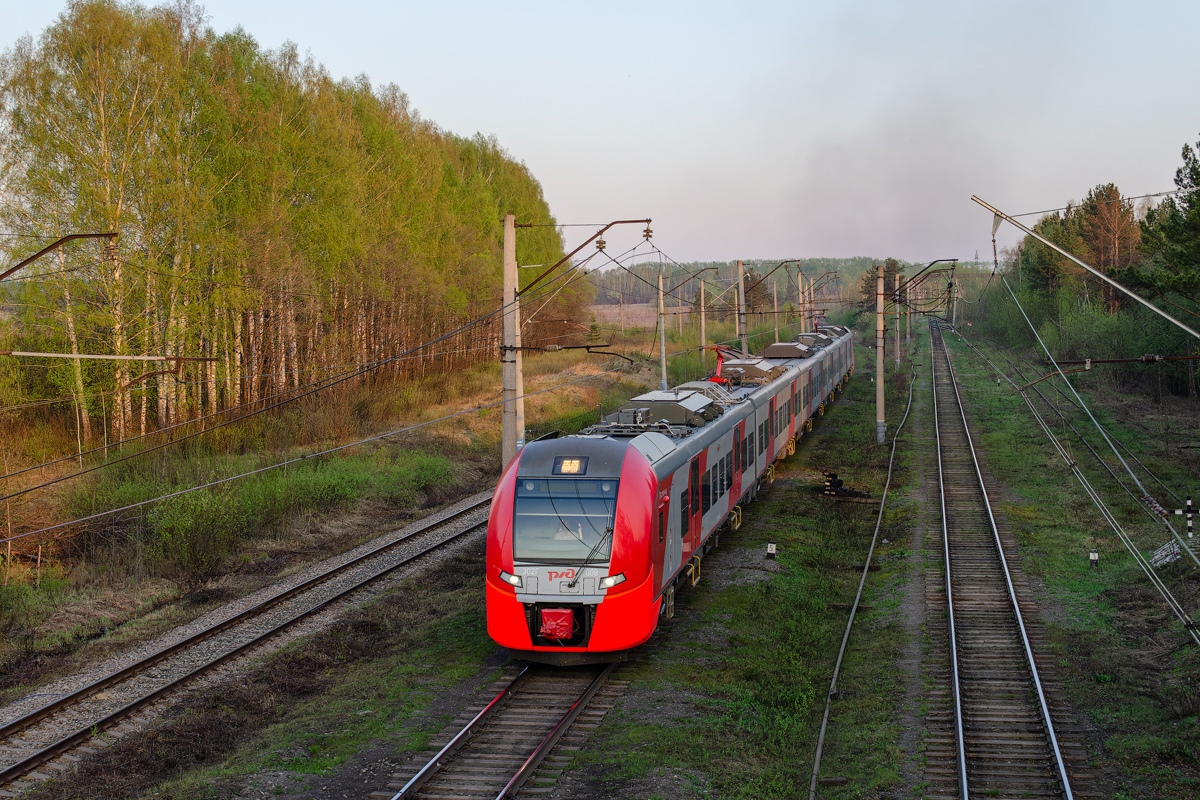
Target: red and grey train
590, 534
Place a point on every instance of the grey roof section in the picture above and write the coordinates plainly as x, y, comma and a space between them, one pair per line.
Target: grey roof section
605, 456
653, 446
691, 400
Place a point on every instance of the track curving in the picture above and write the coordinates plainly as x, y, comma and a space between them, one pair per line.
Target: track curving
51, 738
996, 731
518, 743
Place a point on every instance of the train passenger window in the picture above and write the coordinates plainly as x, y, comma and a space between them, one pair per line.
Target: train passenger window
706, 494
684, 516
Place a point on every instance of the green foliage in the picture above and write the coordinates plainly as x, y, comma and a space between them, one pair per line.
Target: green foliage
192, 535
195, 531
1171, 238
271, 217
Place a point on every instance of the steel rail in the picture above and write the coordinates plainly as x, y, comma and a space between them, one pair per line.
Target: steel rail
454, 745
544, 747
955, 687
1094, 495
1012, 595
14, 771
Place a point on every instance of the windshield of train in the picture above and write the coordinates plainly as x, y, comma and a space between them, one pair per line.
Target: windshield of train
563, 519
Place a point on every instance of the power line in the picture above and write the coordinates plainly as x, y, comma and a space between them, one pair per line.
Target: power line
316, 387
1146, 497
1121, 200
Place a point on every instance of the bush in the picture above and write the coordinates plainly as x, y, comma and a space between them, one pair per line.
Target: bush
196, 532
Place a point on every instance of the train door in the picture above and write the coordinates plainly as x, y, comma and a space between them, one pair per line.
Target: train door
770, 431
664, 535
689, 517
739, 461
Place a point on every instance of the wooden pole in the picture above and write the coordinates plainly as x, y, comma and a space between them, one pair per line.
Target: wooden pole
703, 335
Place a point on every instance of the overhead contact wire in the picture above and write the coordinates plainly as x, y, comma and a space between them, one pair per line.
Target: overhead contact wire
1146, 497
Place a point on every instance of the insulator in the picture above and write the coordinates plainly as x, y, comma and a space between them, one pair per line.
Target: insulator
647, 233
600, 244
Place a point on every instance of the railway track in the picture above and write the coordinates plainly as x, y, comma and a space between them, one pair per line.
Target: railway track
507, 748
50, 738
996, 731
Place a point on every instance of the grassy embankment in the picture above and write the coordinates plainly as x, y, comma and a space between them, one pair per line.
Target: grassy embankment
210, 545
118, 583
1126, 662
303, 713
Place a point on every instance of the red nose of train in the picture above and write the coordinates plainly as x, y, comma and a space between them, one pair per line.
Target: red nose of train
568, 555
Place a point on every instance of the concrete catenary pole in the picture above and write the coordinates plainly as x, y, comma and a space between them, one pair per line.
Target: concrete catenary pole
808, 305
907, 315
512, 379
662, 334
898, 325
954, 295
703, 334
775, 303
741, 315
880, 340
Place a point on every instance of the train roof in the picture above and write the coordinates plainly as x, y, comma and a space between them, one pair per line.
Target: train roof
653, 420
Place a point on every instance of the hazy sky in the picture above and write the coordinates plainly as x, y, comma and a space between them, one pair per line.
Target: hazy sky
787, 129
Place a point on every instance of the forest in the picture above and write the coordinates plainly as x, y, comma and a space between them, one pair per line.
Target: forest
1149, 244
283, 225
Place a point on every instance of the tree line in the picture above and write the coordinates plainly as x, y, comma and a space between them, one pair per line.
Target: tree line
638, 283
284, 224
1150, 245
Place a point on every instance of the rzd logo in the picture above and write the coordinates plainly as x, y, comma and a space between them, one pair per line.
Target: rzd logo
552, 575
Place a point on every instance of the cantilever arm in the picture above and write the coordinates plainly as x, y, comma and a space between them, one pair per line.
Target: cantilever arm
51, 248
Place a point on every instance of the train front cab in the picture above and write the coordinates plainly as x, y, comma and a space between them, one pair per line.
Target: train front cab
559, 587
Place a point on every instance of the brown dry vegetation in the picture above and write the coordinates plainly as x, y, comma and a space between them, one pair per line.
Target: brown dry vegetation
91, 603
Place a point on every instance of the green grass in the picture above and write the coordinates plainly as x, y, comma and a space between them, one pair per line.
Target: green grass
1125, 661
192, 535
755, 660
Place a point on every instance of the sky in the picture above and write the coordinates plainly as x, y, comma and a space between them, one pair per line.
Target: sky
776, 130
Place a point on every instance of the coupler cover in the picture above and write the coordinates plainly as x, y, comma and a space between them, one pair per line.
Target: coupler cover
557, 623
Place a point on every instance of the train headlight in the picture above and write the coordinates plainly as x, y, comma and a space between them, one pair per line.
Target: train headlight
612, 580
511, 580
